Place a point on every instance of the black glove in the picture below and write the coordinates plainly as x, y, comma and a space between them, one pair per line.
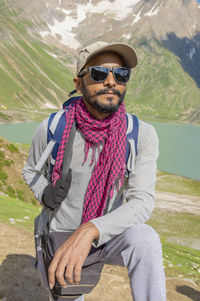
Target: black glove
54, 195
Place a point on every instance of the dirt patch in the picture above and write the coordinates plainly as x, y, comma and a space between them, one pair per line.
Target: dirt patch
177, 203
19, 281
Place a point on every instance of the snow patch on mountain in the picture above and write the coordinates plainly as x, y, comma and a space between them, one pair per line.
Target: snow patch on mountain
154, 10
137, 17
62, 30
118, 10
126, 36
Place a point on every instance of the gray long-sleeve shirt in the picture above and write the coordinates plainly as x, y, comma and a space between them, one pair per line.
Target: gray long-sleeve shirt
130, 207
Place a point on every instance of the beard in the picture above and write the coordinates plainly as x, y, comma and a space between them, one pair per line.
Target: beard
96, 103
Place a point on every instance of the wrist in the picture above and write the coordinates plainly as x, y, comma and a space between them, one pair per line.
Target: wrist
94, 231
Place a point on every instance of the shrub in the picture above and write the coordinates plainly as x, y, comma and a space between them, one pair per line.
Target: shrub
10, 191
34, 202
12, 148
20, 195
3, 175
7, 163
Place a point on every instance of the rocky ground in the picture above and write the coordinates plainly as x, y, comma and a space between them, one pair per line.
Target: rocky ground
19, 281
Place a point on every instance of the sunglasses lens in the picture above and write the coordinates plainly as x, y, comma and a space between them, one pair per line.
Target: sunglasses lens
121, 74
98, 74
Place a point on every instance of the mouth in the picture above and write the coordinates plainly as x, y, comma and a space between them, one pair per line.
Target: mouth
109, 93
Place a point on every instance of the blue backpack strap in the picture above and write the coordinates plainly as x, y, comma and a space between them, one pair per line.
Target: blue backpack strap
56, 126
132, 133
54, 134
70, 101
57, 134
49, 134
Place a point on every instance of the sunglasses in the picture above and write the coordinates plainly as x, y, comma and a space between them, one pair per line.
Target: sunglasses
99, 73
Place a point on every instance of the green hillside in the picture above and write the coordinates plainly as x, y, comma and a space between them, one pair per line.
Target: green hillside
160, 89
12, 159
29, 76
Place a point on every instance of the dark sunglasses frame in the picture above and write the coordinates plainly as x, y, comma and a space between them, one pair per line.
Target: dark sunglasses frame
115, 71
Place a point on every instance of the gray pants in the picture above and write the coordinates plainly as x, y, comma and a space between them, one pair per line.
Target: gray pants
139, 249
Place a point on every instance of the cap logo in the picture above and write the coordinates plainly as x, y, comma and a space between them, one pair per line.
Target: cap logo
84, 50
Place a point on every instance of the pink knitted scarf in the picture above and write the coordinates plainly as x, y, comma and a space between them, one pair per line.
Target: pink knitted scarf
109, 169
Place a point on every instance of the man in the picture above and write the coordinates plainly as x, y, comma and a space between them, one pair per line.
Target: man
100, 199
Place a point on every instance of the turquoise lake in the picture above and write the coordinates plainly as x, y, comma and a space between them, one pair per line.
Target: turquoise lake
179, 145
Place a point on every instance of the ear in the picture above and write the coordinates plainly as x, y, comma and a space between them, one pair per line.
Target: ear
78, 84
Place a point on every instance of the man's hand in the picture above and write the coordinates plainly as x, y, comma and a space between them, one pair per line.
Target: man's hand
54, 195
69, 258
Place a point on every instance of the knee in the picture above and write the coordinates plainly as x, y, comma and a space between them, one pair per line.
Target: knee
143, 237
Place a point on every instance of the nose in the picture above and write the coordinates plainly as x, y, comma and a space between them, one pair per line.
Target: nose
110, 81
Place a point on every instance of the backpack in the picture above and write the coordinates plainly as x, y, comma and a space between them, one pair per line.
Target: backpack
56, 125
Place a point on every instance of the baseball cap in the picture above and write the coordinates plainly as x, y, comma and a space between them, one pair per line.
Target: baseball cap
125, 51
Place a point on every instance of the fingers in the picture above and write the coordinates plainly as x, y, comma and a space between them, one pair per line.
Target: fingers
60, 269
73, 272
57, 268
51, 272
69, 272
60, 273
77, 273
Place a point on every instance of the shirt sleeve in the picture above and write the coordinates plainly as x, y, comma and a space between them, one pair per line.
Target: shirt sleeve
140, 190
36, 181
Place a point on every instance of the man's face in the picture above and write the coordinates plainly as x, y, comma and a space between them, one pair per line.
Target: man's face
106, 96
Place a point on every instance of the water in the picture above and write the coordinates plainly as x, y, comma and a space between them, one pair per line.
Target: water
179, 145
179, 149
18, 132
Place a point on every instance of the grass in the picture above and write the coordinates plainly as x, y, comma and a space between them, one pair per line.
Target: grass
12, 157
3, 163
5, 118
177, 184
176, 227
181, 261
17, 212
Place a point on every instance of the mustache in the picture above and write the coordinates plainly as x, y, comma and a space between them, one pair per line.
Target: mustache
105, 91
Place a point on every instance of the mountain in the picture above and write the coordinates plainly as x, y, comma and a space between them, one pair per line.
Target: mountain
40, 40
